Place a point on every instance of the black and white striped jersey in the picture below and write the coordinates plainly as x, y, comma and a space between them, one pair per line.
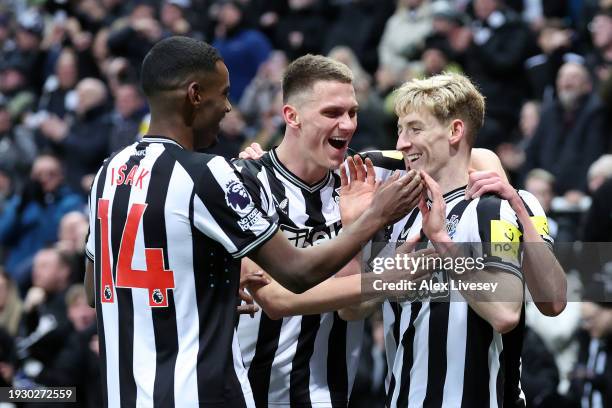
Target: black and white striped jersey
166, 228
385, 163
441, 353
298, 361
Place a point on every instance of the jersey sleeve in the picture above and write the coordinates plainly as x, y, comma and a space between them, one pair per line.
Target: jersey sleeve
537, 215
225, 211
90, 246
385, 162
255, 179
499, 231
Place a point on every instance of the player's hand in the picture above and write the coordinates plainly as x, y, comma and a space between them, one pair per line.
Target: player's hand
250, 280
413, 266
397, 197
483, 182
356, 193
252, 152
434, 218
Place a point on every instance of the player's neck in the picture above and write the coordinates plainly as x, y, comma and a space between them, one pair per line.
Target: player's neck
452, 176
308, 172
171, 129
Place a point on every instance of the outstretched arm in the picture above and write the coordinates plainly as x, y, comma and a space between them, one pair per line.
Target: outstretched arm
544, 275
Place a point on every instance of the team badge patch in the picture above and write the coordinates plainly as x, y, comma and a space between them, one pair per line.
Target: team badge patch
236, 196
451, 226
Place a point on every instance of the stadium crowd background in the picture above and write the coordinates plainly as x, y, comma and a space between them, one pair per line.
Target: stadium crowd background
69, 97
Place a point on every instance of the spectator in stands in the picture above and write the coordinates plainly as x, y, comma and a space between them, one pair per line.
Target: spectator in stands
271, 127
130, 108
405, 34
599, 61
8, 359
362, 38
599, 172
11, 306
28, 52
539, 374
512, 155
449, 31
299, 31
243, 49
541, 183
373, 130
45, 324
259, 95
72, 236
30, 220
58, 95
134, 36
556, 46
172, 17
571, 134
15, 87
76, 364
598, 221
83, 145
494, 59
17, 148
233, 133
591, 384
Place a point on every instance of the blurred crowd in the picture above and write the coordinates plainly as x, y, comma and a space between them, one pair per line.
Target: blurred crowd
69, 97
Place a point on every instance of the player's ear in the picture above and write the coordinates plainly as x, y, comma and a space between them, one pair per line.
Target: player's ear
291, 116
194, 93
457, 131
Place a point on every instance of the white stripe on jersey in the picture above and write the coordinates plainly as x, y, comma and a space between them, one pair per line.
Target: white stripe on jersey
180, 257
318, 363
296, 208
143, 366
453, 384
494, 351
283, 360
110, 311
420, 355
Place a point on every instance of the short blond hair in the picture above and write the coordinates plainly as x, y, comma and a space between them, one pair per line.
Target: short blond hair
302, 74
446, 96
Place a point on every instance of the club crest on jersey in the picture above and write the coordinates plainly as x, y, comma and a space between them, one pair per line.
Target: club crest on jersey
336, 195
157, 296
451, 226
236, 195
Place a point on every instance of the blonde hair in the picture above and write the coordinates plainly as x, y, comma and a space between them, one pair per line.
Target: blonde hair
446, 96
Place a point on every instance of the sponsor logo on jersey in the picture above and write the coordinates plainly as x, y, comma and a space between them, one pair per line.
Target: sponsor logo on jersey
505, 239
304, 237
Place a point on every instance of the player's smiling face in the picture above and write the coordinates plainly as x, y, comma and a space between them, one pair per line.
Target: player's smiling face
423, 141
214, 91
328, 119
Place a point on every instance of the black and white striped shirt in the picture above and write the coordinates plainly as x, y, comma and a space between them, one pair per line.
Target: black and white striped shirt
387, 161
298, 361
166, 228
441, 353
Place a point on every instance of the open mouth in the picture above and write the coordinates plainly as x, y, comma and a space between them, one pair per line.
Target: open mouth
338, 142
413, 157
